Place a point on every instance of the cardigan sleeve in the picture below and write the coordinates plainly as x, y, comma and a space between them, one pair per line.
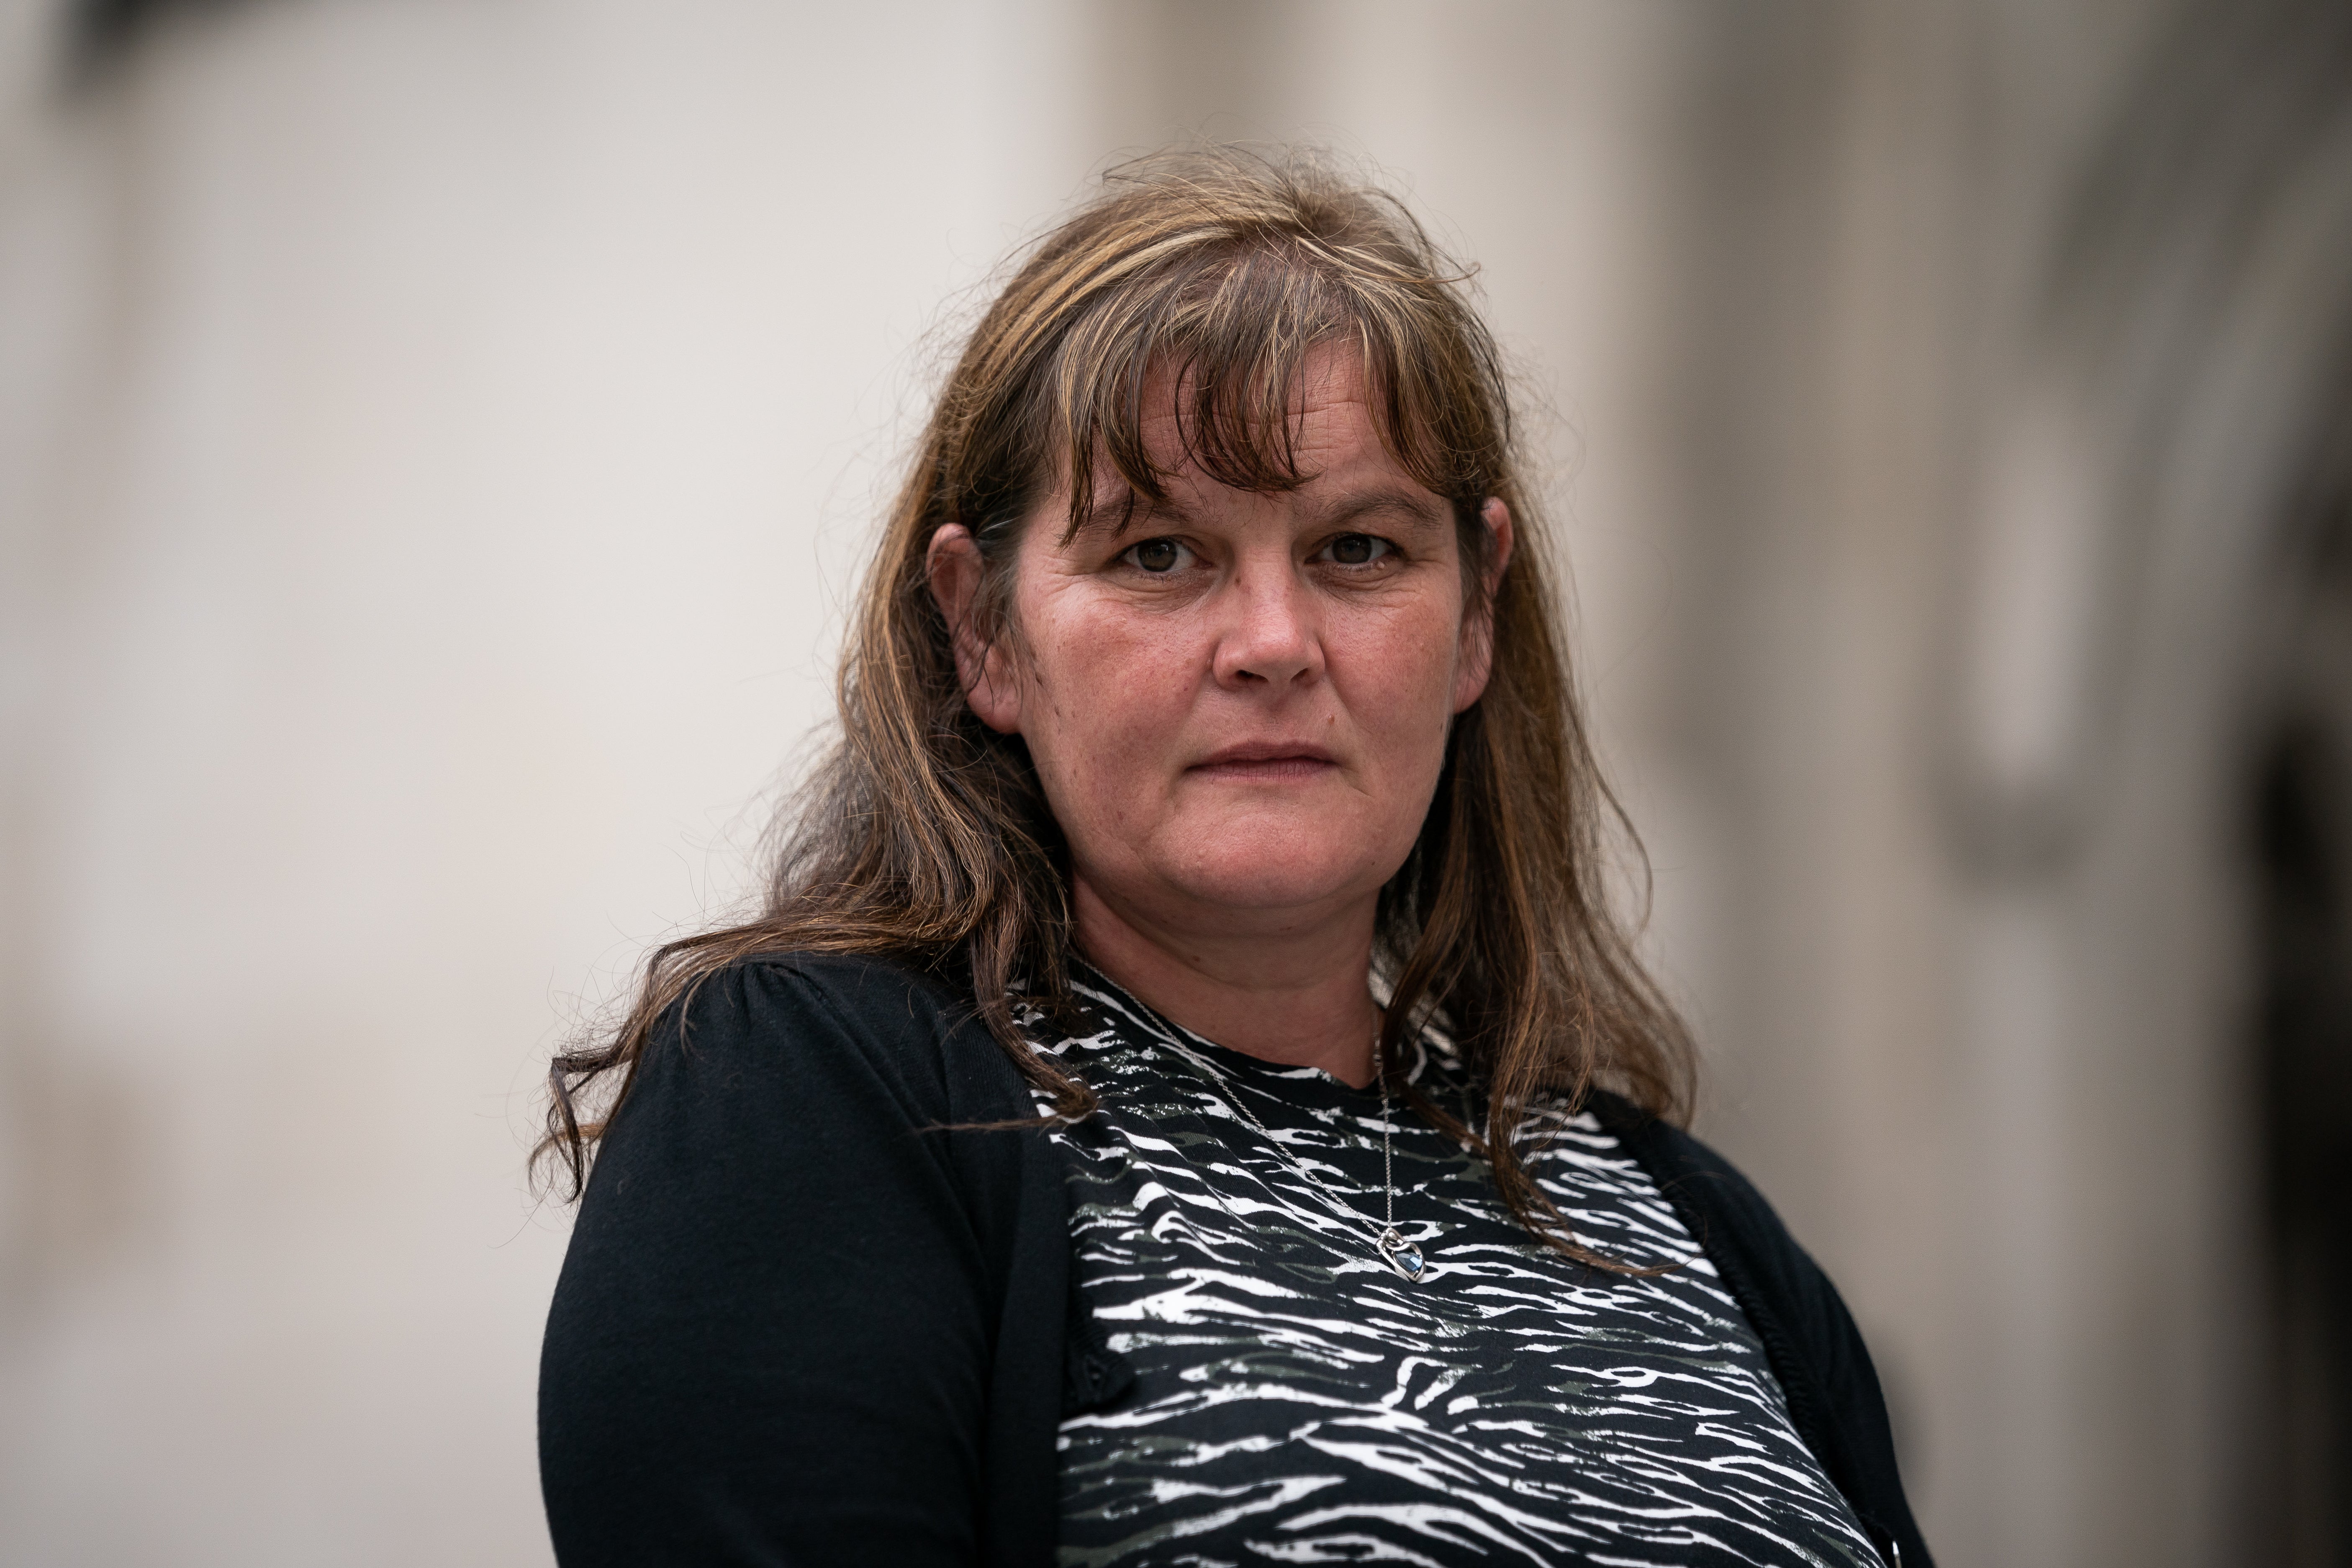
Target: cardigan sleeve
771, 1341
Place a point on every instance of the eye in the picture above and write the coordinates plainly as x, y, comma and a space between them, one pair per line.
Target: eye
1157, 556
1358, 549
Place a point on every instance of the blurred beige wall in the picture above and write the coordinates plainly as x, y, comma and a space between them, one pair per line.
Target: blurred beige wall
434, 441
436, 437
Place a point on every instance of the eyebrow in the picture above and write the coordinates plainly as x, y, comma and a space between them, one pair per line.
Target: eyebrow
1384, 501
1116, 514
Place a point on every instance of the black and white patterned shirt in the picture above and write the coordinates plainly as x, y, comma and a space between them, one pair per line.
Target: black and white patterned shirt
1297, 1400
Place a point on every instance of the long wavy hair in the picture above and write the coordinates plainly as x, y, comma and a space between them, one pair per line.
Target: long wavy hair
924, 835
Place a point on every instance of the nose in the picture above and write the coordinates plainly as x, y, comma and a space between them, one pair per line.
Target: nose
1274, 640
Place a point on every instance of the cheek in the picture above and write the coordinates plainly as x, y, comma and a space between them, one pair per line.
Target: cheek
1400, 683
1109, 698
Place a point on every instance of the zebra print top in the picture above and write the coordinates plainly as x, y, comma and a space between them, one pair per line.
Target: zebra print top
1298, 1401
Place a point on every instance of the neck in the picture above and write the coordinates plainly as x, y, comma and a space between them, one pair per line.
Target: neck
1298, 996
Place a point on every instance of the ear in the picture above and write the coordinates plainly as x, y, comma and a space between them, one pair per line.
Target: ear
1478, 632
984, 670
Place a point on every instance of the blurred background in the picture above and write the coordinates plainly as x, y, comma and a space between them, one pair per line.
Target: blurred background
437, 438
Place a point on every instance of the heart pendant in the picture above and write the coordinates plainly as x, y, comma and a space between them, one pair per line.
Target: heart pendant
1403, 1256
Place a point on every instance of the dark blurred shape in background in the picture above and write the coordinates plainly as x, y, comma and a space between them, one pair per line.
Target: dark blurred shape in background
2302, 794
100, 32
435, 436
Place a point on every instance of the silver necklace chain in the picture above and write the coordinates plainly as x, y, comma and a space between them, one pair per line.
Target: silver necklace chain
1398, 1253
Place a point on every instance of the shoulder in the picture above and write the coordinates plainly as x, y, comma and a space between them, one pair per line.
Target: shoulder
1777, 1283
806, 1028
860, 992
1694, 1177
796, 1081
1816, 1352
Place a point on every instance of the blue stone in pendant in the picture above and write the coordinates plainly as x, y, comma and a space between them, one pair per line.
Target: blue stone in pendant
1402, 1255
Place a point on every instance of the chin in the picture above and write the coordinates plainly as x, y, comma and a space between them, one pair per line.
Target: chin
1247, 875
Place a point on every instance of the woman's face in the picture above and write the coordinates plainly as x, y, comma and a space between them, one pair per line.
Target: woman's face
1238, 703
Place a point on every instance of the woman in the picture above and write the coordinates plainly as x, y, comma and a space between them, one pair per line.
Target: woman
1186, 1100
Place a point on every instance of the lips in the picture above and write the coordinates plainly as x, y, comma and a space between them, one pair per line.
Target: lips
1266, 761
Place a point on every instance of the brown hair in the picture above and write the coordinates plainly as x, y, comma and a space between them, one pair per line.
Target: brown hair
925, 834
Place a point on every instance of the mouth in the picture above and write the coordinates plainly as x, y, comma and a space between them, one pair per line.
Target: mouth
1266, 762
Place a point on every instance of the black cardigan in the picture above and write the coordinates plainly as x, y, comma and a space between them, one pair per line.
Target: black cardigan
810, 1316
